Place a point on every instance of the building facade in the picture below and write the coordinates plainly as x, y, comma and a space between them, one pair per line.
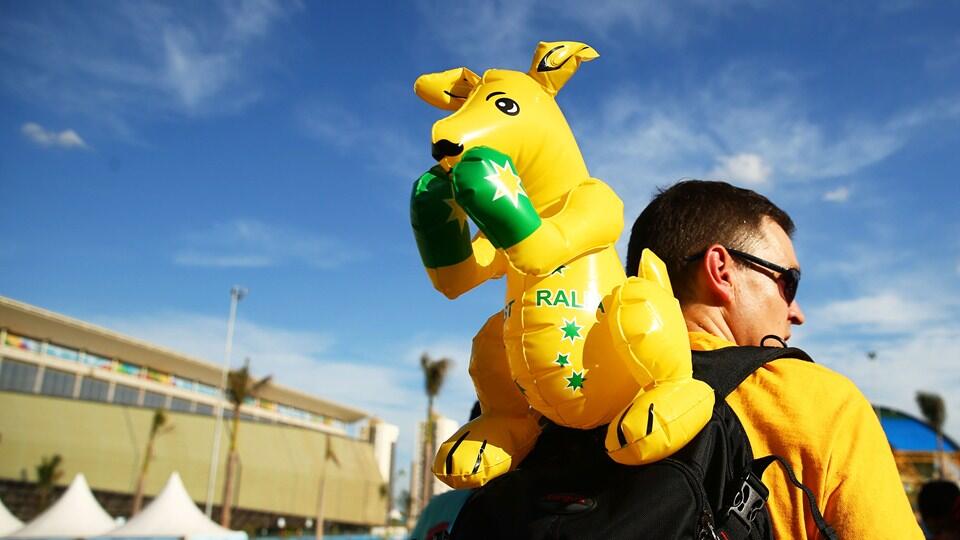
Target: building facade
89, 394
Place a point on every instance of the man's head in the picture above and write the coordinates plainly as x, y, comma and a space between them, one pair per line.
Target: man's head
706, 232
939, 505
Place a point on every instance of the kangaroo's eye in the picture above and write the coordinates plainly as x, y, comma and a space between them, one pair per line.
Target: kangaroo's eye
508, 106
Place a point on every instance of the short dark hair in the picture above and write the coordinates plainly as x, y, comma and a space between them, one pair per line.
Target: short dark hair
936, 500
690, 216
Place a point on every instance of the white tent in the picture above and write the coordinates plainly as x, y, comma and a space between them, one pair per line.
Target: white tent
75, 515
173, 515
8, 522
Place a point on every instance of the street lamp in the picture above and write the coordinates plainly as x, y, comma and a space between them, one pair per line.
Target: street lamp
236, 294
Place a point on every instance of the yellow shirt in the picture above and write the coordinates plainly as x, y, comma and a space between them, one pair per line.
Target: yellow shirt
819, 422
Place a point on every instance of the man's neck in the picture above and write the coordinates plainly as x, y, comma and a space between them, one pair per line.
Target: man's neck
709, 319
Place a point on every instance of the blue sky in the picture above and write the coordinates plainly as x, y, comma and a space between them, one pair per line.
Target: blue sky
153, 155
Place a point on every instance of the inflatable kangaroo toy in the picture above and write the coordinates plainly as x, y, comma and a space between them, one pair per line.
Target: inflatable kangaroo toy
576, 342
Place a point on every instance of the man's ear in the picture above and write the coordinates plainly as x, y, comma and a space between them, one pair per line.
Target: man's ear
556, 61
447, 89
716, 267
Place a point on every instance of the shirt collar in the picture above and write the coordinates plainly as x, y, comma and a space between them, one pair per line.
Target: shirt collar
702, 341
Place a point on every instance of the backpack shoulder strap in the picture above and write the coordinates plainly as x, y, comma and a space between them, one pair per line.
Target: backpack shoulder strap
724, 369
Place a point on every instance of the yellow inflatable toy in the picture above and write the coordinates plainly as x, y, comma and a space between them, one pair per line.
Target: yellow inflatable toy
575, 342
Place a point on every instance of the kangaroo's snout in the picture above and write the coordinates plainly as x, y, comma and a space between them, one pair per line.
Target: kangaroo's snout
444, 148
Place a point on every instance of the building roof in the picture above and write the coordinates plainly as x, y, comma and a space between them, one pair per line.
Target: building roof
41, 324
908, 433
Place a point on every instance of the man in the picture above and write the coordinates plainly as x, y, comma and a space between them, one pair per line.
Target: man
733, 268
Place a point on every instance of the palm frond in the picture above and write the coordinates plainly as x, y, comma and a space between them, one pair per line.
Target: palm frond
933, 409
434, 373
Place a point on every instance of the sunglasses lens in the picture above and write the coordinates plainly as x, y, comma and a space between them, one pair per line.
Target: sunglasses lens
791, 280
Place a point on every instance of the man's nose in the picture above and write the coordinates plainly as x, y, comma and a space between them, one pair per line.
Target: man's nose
795, 313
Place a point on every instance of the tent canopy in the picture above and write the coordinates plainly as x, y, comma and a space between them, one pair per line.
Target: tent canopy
75, 515
172, 514
8, 522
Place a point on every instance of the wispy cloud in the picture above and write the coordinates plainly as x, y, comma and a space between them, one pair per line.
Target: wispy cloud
389, 149
884, 313
498, 32
839, 195
637, 138
129, 60
67, 138
748, 169
246, 243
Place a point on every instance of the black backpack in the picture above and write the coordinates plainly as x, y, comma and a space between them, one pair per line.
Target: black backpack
567, 488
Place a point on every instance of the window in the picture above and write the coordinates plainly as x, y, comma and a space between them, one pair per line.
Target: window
181, 405
62, 352
203, 408
154, 400
17, 376
57, 383
126, 395
93, 389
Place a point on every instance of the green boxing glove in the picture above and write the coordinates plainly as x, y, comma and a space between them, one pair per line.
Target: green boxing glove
439, 224
487, 187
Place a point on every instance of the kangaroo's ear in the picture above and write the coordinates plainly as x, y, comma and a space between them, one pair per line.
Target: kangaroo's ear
448, 89
556, 61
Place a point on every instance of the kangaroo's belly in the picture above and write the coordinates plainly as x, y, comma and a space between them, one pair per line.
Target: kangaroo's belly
548, 323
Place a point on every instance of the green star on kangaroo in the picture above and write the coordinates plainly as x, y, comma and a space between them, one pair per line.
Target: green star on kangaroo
576, 380
571, 330
562, 359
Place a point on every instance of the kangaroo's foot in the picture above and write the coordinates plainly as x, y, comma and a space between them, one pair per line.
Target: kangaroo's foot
659, 422
485, 448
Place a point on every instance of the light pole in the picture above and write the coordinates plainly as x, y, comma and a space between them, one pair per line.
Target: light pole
236, 294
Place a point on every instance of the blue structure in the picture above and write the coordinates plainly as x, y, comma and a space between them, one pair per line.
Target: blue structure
910, 434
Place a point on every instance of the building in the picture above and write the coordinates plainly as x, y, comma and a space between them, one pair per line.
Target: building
88, 394
916, 451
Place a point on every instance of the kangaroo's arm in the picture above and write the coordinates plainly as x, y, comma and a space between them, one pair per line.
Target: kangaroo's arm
454, 263
486, 262
590, 218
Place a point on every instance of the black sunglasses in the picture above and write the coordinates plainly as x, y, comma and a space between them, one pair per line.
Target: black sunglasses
789, 278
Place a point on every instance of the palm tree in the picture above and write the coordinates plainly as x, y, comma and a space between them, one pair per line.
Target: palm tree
157, 427
240, 386
434, 373
48, 472
935, 412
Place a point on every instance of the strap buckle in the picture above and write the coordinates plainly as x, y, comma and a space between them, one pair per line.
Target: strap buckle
749, 500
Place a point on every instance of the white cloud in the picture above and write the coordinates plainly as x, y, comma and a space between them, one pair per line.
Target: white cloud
125, 61
747, 169
878, 313
246, 243
192, 74
636, 138
67, 138
839, 195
